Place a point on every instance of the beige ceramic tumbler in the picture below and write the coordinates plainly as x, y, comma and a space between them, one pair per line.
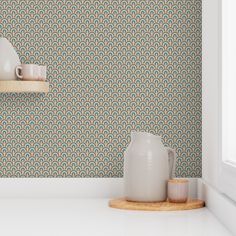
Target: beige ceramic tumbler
178, 190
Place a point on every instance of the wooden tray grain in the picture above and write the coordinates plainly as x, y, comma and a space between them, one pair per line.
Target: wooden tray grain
121, 203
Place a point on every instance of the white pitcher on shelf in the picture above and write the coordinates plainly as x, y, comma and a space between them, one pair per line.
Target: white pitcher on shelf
147, 168
8, 60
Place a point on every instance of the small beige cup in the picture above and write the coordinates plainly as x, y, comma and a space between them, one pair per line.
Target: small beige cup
27, 72
178, 190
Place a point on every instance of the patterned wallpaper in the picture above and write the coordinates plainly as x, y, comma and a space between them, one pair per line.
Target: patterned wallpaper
113, 66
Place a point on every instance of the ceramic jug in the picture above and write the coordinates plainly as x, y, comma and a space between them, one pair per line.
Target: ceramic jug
8, 60
148, 166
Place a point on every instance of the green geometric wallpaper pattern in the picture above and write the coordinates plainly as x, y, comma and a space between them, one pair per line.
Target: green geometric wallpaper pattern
114, 66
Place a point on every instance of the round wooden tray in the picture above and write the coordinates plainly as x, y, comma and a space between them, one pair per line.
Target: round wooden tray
121, 203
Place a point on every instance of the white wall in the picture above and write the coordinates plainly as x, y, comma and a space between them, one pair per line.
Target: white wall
210, 91
61, 187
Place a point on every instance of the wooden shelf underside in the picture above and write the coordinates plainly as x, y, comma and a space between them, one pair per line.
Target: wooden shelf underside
23, 86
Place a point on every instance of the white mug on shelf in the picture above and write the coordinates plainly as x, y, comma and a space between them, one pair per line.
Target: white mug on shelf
28, 72
42, 73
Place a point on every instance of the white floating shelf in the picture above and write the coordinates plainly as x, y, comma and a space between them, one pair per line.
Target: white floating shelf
23, 86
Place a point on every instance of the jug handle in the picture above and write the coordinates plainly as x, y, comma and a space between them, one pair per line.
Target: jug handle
172, 161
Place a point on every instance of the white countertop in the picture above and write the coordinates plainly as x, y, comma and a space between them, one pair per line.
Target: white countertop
73, 217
